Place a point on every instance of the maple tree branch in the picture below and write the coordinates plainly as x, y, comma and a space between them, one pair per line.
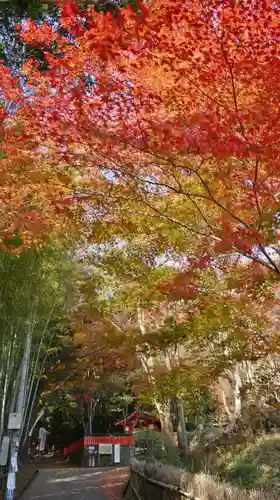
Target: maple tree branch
210, 197
182, 74
232, 80
268, 175
197, 195
179, 223
266, 254
200, 165
190, 197
256, 194
179, 191
235, 217
277, 250
216, 202
200, 212
272, 265
234, 93
257, 259
192, 82
139, 125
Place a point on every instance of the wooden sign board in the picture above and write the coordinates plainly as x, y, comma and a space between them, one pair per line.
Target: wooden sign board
105, 449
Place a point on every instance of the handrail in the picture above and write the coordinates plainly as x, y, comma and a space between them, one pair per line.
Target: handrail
165, 486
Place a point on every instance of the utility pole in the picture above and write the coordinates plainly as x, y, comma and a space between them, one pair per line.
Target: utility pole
16, 419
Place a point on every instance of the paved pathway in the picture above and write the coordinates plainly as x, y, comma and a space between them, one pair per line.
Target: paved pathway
77, 484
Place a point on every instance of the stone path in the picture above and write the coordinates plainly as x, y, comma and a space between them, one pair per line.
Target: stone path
77, 484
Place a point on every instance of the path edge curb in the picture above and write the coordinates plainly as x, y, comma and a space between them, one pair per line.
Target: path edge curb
27, 484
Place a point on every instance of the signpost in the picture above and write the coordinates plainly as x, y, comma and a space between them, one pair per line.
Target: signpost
105, 449
117, 453
43, 437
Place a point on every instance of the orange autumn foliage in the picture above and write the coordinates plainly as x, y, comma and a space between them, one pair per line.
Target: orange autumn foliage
31, 190
180, 103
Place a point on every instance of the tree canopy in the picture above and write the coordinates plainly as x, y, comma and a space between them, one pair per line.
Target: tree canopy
142, 138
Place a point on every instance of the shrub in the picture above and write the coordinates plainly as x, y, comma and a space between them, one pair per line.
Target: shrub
151, 446
255, 465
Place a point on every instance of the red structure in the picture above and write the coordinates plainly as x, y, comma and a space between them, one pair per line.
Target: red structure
96, 440
138, 420
68, 450
104, 451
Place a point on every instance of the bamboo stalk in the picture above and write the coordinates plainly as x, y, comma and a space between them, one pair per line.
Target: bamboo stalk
35, 391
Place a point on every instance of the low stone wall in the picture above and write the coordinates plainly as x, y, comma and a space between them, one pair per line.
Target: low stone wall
169, 483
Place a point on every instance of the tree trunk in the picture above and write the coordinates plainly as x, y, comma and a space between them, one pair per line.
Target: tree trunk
237, 385
166, 422
163, 409
90, 418
181, 428
231, 391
